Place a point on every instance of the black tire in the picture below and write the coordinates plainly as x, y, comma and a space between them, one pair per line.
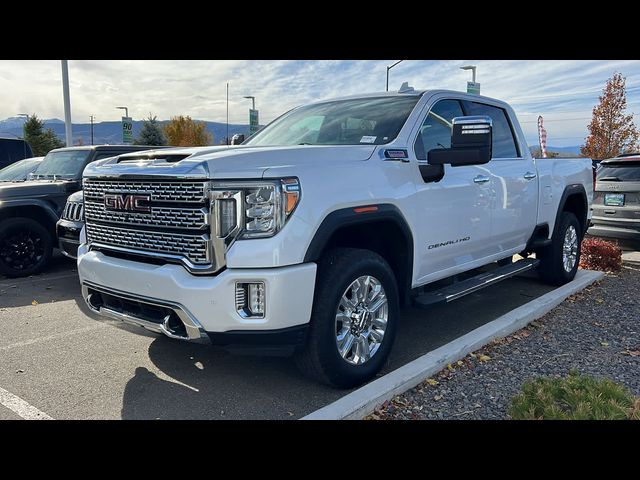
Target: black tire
25, 247
320, 358
551, 268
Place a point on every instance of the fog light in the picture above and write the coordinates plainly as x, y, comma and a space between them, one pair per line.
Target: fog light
250, 299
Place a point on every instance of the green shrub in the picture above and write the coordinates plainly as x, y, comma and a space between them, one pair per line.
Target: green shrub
576, 397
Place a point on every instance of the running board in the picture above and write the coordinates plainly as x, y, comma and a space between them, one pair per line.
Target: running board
460, 289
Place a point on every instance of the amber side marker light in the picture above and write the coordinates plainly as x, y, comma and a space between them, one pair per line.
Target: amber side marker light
365, 209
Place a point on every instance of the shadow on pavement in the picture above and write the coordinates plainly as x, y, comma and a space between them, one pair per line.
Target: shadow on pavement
58, 282
206, 382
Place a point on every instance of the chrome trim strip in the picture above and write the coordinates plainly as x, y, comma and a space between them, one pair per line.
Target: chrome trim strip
192, 326
169, 258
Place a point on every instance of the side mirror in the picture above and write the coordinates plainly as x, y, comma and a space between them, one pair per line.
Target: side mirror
471, 139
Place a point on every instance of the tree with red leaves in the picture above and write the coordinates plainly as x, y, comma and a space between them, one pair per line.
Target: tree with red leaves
611, 131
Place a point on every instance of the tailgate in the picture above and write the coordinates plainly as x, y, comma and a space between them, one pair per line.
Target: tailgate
616, 199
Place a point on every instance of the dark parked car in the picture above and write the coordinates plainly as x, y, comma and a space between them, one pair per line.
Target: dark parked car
29, 210
12, 150
19, 171
616, 200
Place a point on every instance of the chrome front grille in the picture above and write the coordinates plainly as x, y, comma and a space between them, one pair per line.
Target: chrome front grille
73, 211
189, 218
176, 226
193, 247
179, 192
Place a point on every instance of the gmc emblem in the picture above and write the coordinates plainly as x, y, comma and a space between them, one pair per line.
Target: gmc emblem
127, 203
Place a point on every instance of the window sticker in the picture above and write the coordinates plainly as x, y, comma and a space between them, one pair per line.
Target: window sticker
368, 139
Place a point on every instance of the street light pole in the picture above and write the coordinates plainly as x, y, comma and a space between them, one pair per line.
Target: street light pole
473, 71
91, 116
253, 101
67, 103
389, 68
126, 111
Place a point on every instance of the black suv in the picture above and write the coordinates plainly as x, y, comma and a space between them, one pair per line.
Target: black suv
29, 210
616, 200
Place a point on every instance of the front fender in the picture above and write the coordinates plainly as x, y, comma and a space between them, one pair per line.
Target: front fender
30, 202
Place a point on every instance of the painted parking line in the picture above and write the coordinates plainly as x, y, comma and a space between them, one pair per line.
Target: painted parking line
54, 336
20, 407
23, 281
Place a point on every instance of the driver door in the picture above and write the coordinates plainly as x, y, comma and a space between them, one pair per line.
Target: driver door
452, 215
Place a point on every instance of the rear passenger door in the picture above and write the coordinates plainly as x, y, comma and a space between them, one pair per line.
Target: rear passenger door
514, 182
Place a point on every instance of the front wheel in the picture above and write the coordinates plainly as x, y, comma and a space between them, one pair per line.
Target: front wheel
354, 318
25, 247
559, 261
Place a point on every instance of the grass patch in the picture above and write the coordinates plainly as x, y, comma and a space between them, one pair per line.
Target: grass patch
576, 397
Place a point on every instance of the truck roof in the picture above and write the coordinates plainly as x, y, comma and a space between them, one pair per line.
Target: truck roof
409, 93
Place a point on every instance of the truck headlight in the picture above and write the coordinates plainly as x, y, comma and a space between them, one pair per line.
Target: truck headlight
259, 209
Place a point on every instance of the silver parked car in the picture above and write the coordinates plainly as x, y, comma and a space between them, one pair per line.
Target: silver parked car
616, 199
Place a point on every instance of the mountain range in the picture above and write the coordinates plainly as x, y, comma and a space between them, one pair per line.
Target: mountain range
109, 132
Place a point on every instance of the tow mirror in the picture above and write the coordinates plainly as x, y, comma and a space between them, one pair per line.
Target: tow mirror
471, 139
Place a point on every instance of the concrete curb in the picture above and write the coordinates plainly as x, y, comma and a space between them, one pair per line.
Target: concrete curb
361, 402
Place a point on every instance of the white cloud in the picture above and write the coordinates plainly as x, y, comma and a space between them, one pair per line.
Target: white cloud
559, 90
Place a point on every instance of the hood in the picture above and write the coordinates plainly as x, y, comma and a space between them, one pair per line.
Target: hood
76, 197
239, 162
34, 189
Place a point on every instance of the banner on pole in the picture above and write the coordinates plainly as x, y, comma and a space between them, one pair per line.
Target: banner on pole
542, 137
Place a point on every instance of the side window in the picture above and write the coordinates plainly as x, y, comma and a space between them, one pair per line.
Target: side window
435, 131
504, 145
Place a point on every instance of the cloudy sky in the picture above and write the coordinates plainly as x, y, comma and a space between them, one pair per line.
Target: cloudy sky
564, 92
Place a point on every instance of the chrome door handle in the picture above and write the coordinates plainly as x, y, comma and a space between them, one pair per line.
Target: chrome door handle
530, 175
481, 179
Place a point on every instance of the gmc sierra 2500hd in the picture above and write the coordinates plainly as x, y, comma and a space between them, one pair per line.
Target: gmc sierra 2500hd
312, 234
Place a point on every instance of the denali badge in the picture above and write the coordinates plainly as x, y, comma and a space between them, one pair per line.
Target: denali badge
129, 203
448, 242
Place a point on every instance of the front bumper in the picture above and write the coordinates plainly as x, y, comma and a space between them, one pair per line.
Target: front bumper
206, 302
68, 233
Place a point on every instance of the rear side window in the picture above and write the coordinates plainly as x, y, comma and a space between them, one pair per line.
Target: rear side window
504, 145
627, 172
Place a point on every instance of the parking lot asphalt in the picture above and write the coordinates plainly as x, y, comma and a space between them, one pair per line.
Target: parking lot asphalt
58, 358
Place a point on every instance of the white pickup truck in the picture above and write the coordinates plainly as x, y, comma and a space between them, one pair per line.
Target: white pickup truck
311, 236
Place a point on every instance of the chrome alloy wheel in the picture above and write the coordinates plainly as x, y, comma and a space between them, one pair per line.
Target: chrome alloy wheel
570, 249
361, 320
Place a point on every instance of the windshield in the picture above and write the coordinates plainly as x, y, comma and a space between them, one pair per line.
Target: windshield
18, 171
362, 121
620, 172
62, 164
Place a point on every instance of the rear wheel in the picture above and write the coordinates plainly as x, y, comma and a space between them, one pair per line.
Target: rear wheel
25, 247
559, 261
354, 317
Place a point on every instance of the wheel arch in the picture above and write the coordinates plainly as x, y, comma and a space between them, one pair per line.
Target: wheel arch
574, 200
37, 210
361, 226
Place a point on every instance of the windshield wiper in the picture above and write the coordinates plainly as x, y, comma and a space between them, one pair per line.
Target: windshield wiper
609, 179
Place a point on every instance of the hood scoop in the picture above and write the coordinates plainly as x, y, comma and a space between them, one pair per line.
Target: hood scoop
152, 160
